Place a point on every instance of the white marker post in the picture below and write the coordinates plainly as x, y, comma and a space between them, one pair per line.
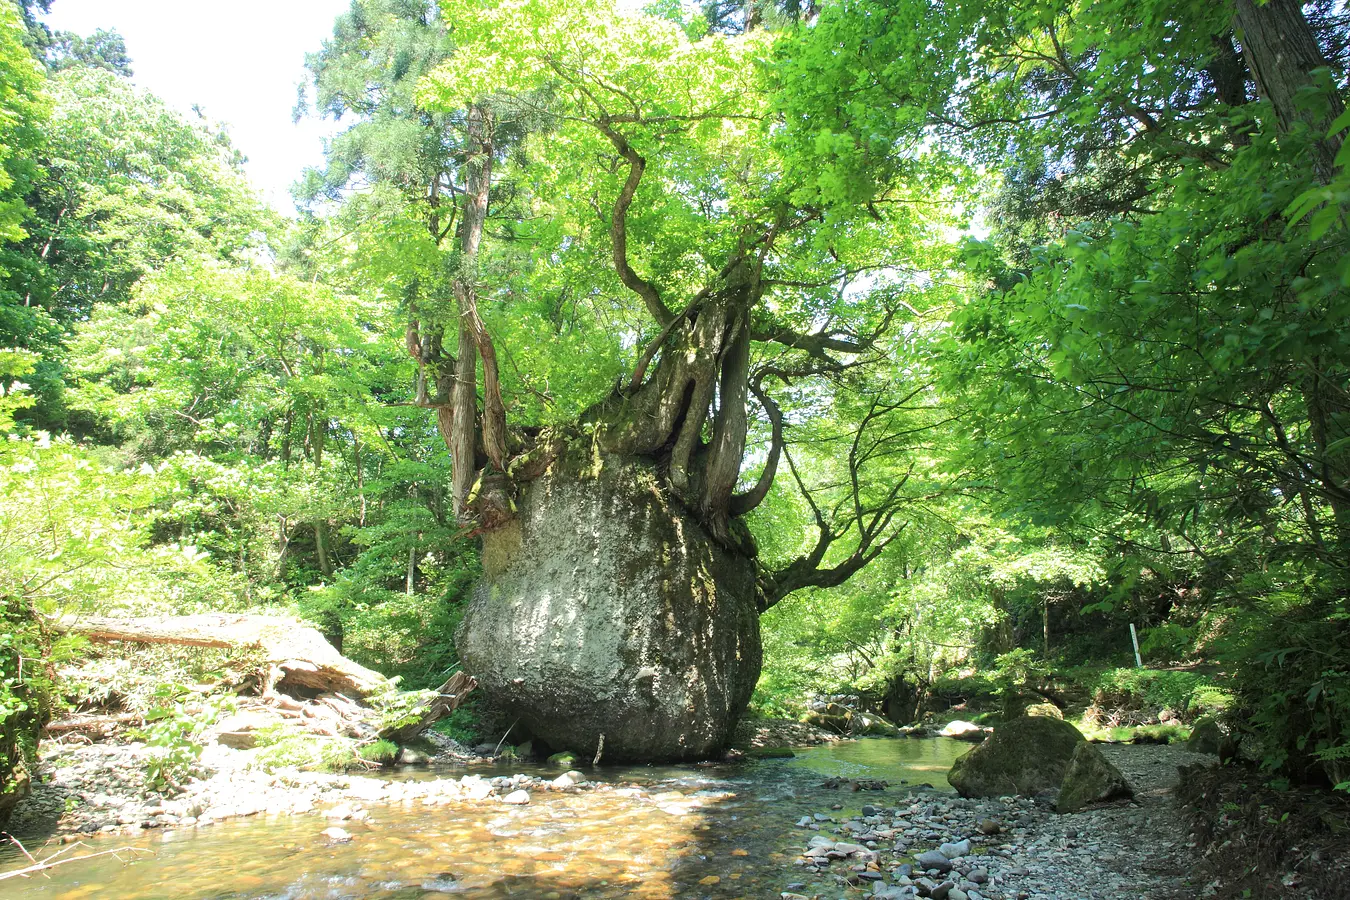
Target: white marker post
1134, 639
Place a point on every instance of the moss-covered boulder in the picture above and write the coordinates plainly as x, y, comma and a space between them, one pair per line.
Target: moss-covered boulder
1049, 710
861, 724
1090, 778
608, 617
832, 717
1025, 756
964, 731
1209, 735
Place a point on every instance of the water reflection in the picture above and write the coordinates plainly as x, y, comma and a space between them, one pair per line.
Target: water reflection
677, 831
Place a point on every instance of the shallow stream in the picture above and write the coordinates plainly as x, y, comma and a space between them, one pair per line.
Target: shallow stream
665, 831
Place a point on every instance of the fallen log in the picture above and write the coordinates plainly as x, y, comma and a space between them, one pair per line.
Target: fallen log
97, 724
295, 655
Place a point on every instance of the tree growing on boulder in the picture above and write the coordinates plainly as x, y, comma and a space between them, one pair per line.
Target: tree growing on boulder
621, 189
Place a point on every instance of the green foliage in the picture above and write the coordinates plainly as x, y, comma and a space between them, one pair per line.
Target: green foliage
77, 537
401, 708
465, 724
1188, 694
172, 732
1290, 655
122, 185
26, 692
1108, 384
132, 677
283, 749
13, 392
1168, 642
382, 752
1016, 669
1137, 734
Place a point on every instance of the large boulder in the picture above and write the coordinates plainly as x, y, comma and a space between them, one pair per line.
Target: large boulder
1091, 778
831, 716
964, 731
1024, 756
864, 724
606, 609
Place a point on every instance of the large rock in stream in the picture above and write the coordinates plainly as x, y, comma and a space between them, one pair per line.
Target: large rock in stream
605, 609
1090, 778
1024, 756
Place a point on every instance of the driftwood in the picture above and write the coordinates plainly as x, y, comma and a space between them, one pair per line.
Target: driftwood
448, 697
93, 724
51, 862
295, 654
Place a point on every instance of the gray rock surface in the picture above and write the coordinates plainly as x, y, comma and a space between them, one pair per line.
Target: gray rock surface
1210, 736
605, 609
933, 859
1025, 756
1090, 779
1124, 851
965, 731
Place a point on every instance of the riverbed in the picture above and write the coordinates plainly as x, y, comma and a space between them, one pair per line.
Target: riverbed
656, 831
695, 831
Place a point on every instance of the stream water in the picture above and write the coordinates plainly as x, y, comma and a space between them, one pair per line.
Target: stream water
664, 832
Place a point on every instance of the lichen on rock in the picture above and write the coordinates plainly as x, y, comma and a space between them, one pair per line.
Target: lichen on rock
1028, 755
606, 609
1090, 778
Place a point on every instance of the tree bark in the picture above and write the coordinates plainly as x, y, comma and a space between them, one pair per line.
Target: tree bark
474, 341
1281, 50
1227, 72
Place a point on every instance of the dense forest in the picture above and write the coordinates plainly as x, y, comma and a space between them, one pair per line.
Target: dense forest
968, 354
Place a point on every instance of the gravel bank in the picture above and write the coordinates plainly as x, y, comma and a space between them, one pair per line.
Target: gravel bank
101, 788
951, 848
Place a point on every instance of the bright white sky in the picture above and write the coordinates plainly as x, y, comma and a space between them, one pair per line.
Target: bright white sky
239, 60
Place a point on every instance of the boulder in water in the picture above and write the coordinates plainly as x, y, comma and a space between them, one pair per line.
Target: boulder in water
863, 724
831, 716
1025, 756
963, 731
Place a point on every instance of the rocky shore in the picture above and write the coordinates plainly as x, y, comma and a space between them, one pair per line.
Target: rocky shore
102, 788
1012, 848
895, 843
